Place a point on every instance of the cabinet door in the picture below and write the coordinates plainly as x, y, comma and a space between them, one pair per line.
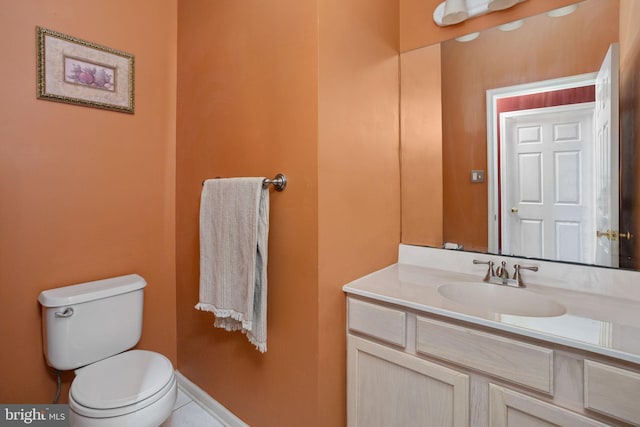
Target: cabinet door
386, 387
508, 408
612, 391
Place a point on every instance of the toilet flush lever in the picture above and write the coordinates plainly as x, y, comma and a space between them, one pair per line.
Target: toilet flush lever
68, 312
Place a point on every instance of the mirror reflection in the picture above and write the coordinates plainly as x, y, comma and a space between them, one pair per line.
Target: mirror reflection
525, 132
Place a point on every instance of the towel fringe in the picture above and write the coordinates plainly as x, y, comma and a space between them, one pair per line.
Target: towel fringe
260, 346
226, 319
227, 324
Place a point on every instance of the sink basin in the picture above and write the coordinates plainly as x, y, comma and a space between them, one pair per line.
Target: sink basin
501, 299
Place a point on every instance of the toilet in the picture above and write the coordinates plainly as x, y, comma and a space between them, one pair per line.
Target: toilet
91, 328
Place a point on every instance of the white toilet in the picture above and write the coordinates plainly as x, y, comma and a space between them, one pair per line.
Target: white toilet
88, 327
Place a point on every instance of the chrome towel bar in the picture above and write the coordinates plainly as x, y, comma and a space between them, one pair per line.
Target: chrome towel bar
279, 182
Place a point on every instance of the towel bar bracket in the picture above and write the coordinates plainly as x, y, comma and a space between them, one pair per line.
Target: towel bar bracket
279, 182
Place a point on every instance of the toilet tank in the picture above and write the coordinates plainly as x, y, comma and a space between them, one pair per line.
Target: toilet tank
91, 321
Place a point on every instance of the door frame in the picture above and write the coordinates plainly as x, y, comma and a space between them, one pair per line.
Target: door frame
493, 162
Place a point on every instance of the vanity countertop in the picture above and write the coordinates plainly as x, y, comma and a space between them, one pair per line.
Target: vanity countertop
600, 324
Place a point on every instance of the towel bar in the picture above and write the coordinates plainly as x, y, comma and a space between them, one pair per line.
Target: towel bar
279, 182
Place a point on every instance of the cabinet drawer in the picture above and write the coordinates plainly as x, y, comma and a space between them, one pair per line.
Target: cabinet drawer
518, 362
612, 391
383, 323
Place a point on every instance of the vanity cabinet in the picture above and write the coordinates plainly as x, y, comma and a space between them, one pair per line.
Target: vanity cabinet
612, 391
388, 387
508, 408
409, 368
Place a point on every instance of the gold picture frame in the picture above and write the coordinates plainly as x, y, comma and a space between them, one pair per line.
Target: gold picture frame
79, 72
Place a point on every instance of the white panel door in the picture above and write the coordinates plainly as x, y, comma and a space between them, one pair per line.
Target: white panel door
606, 160
546, 183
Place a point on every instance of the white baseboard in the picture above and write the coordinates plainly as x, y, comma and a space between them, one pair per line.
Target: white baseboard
208, 403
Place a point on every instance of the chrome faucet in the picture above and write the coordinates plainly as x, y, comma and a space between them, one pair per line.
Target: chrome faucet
501, 271
490, 272
500, 276
517, 276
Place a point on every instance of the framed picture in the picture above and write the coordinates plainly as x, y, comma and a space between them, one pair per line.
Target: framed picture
83, 73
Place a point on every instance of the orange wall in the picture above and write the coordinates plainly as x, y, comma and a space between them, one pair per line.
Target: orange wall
421, 136
358, 170
84, 193
247, 106
284, 93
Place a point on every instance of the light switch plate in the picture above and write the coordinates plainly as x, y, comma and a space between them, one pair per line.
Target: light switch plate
477, 176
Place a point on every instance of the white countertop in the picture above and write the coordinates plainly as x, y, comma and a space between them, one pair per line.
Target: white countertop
593, 322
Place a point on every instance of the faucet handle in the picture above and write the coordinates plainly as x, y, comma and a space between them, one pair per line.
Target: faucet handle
490, 271
502, 270
517, 275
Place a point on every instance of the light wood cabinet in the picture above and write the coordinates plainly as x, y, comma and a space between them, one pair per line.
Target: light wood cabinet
508, 408
384, 323
388, 388
612, 391
522, 363
408, 368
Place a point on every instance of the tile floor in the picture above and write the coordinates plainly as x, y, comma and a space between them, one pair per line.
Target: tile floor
187, 413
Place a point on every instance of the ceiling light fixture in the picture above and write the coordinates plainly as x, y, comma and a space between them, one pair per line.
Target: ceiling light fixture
511, 25
495, 5
452, 12
468, 37
563, 11
455, 11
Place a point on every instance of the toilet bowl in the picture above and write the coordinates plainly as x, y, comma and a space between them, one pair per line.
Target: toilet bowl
136, 388
90, 328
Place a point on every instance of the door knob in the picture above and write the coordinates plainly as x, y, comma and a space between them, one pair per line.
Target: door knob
514, 209
614, 235
626, 235
611, 235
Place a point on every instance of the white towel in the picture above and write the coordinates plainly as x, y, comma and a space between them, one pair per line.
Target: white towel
234, 231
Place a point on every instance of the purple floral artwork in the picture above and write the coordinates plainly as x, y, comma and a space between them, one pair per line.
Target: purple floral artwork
89, 74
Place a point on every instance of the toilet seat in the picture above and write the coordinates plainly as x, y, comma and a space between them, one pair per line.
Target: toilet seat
121, 384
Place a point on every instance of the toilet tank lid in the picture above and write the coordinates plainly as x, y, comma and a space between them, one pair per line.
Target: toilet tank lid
89, 291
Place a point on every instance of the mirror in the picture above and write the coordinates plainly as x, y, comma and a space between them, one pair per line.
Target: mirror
444, 131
